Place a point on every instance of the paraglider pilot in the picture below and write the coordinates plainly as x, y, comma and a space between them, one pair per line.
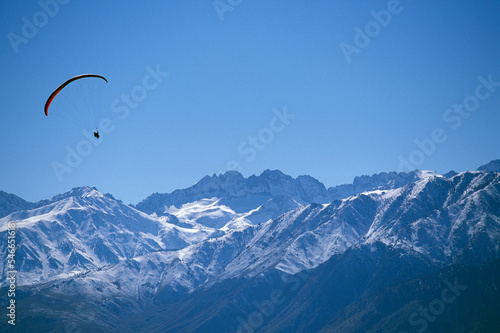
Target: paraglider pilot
55, 92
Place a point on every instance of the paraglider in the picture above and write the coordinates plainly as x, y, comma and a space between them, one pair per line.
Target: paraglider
78, 108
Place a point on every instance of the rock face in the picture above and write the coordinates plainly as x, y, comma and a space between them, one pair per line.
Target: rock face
239, 193
493, 166
267, 253
10, 203
381, 181
243, 195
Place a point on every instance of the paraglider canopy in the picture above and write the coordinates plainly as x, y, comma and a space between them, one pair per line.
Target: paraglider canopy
61, 87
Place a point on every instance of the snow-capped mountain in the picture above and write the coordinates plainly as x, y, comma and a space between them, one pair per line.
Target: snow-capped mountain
380, 181
83, 230
207, 258
430, 219
205, 212
241, 194
260, 198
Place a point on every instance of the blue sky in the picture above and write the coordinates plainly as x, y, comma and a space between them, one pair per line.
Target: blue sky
251, 85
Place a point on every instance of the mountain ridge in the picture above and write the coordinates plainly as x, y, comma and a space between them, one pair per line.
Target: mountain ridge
118, 264
11, 203
231, 186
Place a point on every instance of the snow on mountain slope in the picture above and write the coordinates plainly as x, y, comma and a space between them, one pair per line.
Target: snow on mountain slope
380, 181
444, 220
272, 208
233, 229
240, 194
85, 229
161, 273
249, 251
438, 220
264, 197
205, 212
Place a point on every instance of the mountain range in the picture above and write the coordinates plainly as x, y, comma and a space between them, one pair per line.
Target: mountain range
392, 252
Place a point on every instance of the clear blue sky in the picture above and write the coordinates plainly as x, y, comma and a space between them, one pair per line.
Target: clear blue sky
228, 69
